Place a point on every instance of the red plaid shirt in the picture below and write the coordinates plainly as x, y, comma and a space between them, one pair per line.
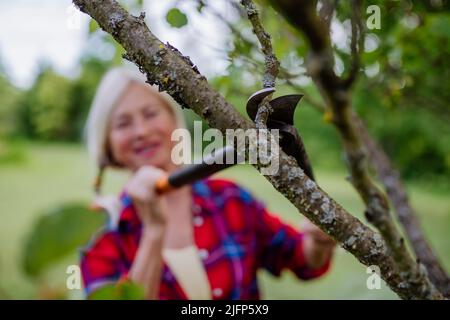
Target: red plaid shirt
235, 236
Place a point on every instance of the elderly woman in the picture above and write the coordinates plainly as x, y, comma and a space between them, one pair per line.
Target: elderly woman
202, 241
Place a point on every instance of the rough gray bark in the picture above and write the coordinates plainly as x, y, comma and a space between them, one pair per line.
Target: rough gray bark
175, 74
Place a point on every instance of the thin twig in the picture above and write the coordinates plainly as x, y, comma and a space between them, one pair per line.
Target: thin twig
263, 114
271, 62
356, 42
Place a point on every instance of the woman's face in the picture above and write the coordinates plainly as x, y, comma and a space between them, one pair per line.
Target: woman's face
140, 130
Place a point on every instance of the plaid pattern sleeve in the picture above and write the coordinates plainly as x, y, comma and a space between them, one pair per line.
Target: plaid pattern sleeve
101, 262
235, 236
281, 247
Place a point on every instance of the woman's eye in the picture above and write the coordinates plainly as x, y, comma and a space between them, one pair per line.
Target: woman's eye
121, 124
150, 114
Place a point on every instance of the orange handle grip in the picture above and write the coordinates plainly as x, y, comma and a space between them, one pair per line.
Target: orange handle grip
162, 185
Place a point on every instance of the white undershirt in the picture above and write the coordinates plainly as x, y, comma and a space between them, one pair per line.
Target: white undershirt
188, 269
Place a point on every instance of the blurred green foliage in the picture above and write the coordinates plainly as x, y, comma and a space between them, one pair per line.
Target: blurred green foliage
125, 290
8, 106
55, 107
406, 102
46, 107
57, 234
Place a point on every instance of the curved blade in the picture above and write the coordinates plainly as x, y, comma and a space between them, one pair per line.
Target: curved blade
284, 108
291, 143
255, 99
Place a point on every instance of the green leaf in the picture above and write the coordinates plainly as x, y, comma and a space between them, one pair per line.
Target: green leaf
57, 234
140, 3
176, 18
126, 290
93, 26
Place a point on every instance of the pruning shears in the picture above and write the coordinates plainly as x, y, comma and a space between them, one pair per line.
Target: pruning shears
282, 118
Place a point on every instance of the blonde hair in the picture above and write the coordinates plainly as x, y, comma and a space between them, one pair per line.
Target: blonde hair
111, 88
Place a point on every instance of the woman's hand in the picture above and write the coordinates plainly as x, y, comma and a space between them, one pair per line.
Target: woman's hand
318, 246
151, 207
152, 210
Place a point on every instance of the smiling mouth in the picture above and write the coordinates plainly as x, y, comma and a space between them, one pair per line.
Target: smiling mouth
147, 150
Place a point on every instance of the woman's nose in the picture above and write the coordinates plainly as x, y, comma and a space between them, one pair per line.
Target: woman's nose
142, 128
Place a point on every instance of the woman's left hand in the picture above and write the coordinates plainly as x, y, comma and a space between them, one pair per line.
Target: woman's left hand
317, 245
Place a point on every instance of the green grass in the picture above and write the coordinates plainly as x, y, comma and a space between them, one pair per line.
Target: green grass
51, 174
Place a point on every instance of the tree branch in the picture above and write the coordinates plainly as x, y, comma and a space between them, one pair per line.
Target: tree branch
302, 15
271, 62
357, 42
327, 10
174, 73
